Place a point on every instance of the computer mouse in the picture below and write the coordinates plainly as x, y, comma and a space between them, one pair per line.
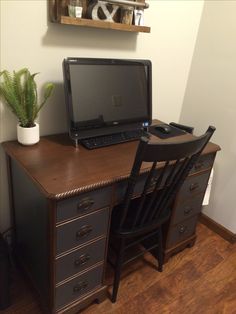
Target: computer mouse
163, 128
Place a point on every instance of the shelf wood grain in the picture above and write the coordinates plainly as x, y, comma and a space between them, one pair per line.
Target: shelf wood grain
101, 24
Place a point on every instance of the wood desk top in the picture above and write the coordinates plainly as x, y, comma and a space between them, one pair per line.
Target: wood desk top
60, 170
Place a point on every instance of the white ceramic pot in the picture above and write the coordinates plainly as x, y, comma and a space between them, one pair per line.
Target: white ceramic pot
28, 136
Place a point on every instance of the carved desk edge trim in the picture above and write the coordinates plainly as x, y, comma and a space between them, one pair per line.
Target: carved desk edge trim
105, 183
90, 187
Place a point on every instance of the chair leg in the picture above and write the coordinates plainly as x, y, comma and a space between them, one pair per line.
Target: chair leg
117, 271
160, 250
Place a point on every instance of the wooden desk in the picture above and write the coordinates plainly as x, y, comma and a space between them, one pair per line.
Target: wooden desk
61, 203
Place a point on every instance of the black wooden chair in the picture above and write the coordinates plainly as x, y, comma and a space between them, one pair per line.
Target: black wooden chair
137, 219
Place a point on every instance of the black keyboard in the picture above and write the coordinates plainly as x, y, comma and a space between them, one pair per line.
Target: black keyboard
111, 139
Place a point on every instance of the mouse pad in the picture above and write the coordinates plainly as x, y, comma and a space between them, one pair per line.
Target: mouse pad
174, 132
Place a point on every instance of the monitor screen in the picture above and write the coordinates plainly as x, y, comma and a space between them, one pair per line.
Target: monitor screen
106, 95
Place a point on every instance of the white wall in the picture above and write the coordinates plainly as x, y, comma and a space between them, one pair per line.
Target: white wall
28, 39
211, 99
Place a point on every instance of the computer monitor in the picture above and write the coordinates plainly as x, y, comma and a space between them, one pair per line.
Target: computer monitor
106, 96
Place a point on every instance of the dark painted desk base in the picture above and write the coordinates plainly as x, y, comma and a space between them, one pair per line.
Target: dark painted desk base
179, 247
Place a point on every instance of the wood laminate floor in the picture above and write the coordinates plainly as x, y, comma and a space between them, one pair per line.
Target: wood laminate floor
200, 280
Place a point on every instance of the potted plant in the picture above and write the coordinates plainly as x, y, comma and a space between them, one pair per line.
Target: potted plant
19, 92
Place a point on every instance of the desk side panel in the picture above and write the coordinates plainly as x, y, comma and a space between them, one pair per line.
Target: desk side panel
31, 229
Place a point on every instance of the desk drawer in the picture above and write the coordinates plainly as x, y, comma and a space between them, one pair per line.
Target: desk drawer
77, 287
79, 260
122, 186
83, 204
193, 185
186, 209
82, 230
181, 231
204, 162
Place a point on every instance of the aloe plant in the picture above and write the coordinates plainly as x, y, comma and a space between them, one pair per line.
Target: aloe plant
19, 92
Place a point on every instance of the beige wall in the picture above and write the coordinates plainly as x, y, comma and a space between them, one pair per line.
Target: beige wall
211, 99
28, 39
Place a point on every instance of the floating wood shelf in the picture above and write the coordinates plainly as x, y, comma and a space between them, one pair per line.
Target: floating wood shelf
59, 14
101, 24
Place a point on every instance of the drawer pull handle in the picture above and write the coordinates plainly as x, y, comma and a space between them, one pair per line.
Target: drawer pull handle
82, 260
80, 286
84, 231
199, 165
85, 204
182, 229
193, 186
187, 210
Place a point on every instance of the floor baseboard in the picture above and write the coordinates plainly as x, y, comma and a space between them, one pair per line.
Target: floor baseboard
217, 228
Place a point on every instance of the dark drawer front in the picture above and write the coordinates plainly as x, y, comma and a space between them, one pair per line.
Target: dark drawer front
81, 230
184, 210
181, 231
193, 185
204, 162
122, 186
77, 287
79, 260
83, 204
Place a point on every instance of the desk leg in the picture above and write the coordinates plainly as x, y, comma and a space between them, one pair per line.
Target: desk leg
179, 247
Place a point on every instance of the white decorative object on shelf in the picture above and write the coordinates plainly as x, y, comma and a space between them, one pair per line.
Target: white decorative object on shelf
106, 11
75, 8
102, 10
138, 17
